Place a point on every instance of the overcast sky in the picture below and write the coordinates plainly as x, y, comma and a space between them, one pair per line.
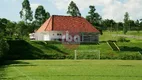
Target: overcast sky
111, 9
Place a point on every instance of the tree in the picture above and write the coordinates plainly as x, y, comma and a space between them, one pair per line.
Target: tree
141, 23
113, 24
106, 23
109, 24
137, 25
21, 30
3, 43
41, 15
3, 23
10, 29
93, 17
120, 26
33, 26
73, 9
26, 13
131, 25
126, 23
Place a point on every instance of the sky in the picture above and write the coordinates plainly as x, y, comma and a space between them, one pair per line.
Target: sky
108, 9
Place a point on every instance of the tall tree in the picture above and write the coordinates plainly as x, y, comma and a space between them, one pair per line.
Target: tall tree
3, 23
41, 15
137, 25
26, 13
126, 23
94, 18
73, 9
3, 44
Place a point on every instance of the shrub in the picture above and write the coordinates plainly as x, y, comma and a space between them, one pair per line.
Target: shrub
4, 47
130, 56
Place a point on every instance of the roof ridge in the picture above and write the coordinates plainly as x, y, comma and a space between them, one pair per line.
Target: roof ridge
67, 16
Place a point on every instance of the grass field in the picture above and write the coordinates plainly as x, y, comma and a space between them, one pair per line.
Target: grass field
72, 70
107, 35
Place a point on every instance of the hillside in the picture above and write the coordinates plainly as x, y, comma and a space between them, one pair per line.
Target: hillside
54, 50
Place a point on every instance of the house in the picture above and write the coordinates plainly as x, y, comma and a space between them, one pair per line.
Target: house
55, 27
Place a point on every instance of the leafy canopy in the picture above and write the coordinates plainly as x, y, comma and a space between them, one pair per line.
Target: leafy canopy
73, 9
126, 23
41, 15
26, 13
94, 18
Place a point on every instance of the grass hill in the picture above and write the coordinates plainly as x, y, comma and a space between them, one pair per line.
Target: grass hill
55, 50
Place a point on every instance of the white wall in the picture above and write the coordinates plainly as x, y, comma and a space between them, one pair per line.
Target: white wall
48, 35
56, 35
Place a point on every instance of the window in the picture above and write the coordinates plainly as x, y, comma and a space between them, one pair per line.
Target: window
59, 34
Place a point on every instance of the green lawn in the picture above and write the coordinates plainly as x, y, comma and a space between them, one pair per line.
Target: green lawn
107, 35
72, 70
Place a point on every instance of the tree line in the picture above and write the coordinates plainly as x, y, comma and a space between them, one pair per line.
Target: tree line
29, 23
20, 30
107, 24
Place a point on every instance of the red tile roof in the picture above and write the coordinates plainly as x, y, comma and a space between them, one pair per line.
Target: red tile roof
67, 23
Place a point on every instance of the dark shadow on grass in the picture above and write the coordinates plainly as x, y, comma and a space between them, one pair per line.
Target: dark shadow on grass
11, 63
14, 62
57, 49
126, 48
50, 46
23, 50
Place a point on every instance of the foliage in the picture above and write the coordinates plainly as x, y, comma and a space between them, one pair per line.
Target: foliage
126, 23
3, 23
3, 44
132, 25
11, 30
41, 15
21, 29
110, 24
138, 26
26, 13
94, 18
120, 26
73, 9
4, 47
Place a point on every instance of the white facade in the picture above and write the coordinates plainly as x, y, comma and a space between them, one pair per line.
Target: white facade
48, 35
57, 36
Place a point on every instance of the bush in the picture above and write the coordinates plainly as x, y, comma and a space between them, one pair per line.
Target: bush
132, 56
109, 56
4, 47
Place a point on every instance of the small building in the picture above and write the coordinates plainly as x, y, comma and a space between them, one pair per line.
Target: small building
56, 25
